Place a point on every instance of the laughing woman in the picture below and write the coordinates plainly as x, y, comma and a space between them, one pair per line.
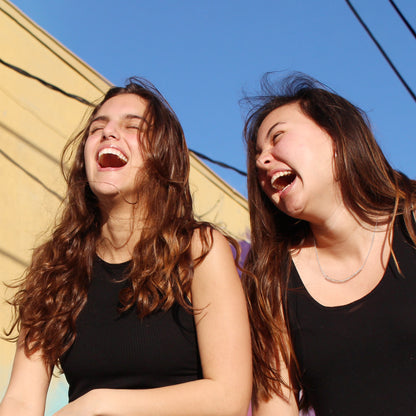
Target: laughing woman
332, 286
139, 304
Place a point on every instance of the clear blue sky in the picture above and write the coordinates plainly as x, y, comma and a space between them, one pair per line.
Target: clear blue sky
203, 55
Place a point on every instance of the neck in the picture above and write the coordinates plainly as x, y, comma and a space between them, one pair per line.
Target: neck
335, 229
342, 233
120, 232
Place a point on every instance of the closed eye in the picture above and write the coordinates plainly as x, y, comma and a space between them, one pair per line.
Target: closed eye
95, 129
276, 136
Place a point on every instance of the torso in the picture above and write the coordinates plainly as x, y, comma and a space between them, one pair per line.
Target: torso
330, 294
359, 357
122, 351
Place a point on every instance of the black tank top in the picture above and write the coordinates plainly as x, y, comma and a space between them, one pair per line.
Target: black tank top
125, 352
360, 359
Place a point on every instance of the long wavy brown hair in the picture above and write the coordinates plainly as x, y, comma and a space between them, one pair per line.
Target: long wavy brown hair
370, 189
54, 288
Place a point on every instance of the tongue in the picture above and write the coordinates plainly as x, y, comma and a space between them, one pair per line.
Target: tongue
111, 161
284, 181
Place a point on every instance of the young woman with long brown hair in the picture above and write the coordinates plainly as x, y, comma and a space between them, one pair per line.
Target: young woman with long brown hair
138, 303
332, 286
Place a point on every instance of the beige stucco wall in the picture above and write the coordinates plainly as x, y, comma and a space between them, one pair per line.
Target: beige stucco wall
217, 202
35, 123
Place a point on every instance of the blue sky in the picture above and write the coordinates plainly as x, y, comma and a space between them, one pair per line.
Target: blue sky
203, 56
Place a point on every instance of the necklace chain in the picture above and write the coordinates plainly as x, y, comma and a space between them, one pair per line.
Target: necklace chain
351, 276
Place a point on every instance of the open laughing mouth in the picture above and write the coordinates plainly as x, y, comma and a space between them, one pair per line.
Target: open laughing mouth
111, 158
281, 180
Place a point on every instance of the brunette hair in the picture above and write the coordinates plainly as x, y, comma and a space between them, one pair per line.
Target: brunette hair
370, 189
54, 288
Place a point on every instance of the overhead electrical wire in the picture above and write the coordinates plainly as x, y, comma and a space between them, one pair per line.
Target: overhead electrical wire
31, 175
84, 101
217, 162
412, 31
41, 40
45, 83
409, 90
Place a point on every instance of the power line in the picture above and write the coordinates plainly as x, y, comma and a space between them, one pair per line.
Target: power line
31, 175
403, 18
46, 45
45, 83
409, 90
84, 101
217, 162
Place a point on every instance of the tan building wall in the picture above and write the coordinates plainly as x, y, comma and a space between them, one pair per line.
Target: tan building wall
35, 122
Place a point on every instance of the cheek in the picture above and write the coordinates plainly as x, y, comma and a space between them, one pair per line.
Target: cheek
262, 179
89, 157
136, 150
87, 148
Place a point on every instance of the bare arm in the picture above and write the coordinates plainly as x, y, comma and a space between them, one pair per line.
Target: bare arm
276, 405
28, 386
224, 345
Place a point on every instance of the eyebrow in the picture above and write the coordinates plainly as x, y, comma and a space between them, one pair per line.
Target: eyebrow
135, 116
273, 126
126, 116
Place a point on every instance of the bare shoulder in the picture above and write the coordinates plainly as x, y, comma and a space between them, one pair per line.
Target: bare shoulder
213, 238
218, 261
216, 275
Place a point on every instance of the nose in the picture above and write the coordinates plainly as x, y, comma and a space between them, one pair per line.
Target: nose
263, 159
110, 131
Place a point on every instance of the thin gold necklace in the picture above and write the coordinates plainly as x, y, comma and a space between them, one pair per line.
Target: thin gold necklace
351, 276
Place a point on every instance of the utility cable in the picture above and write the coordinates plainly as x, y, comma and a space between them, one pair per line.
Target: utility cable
409, 90
403, 18
45, 83
217, 162
31, 175
84, 101
33, 30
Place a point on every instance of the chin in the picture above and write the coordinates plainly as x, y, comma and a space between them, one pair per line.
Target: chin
294, 211
106, 190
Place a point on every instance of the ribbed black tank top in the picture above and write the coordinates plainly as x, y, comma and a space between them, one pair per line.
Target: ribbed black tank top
123, 351
360, 359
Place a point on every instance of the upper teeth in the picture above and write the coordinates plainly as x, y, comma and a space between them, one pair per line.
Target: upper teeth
278, 175
112, 151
